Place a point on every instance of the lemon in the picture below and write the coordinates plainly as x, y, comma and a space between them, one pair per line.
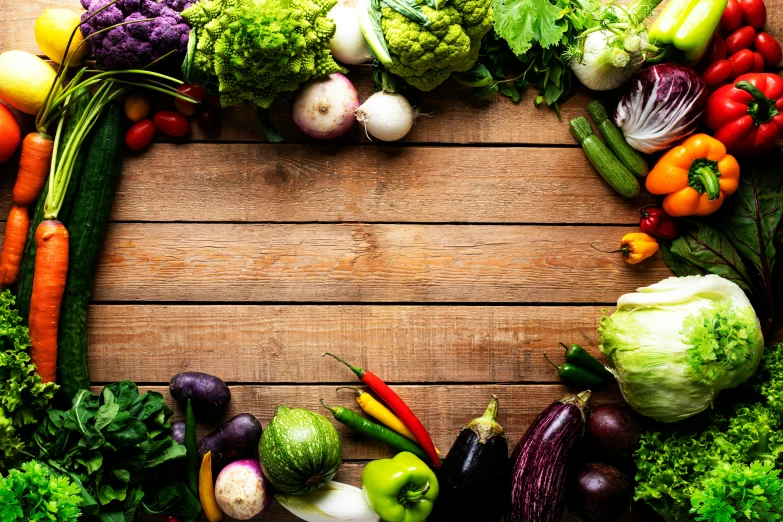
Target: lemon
26, 80
53, 30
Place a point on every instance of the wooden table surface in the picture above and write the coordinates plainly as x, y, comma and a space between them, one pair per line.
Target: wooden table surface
447, 263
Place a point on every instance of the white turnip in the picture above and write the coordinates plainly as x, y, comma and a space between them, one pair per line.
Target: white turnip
324, 108
241, 490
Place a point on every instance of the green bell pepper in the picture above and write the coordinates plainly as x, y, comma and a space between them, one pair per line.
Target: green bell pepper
688, 25
402, 489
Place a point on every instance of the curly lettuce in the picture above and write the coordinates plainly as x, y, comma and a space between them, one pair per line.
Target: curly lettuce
24, 398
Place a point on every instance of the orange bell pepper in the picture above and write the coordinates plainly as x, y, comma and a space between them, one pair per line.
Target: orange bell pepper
696, 177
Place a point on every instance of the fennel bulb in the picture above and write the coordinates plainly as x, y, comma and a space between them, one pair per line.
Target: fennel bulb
608, 62
676, 344
335, 502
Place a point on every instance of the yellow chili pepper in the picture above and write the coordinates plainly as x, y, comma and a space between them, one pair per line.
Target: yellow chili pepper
384, 415
206, 490
696, 176
637, 246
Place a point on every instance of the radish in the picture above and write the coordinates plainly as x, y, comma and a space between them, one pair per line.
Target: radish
324, 108
241, 490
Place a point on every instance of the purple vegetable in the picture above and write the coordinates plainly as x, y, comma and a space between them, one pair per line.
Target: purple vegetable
135, 45
178, 431
663, 105
600, 493
540, 461
206, 391
324, 108
236, 439
613, 432
242, 491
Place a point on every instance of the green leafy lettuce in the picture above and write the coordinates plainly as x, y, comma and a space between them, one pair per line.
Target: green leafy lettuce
23, 397
112, 444
723, 465
35, 493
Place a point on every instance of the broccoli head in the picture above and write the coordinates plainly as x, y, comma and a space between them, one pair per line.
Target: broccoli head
137, 44
425, 56
252, 50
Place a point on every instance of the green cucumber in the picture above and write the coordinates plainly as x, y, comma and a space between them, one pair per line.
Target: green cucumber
629, 156
87, 228
24, 285
608, 166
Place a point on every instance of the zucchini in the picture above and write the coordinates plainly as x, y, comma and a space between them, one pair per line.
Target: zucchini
608, 166
87, 227
24, 286
629, 156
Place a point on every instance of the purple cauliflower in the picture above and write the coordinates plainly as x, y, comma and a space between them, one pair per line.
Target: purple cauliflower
136, 45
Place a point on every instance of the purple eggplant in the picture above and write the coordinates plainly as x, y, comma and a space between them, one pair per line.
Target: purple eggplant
539, 464
473, 479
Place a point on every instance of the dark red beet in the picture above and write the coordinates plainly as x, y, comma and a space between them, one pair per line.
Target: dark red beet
600, 493
613, 432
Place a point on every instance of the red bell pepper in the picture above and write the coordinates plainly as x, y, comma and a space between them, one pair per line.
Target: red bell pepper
747, 116
658, 224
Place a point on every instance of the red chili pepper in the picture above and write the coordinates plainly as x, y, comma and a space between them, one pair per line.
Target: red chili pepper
398, 406
746, 117
658, 223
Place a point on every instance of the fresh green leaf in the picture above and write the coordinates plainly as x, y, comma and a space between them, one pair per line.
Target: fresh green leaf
106, 414
478, 76
523, 23
174, 500
409, 9
511, 91
737, 490
36, 493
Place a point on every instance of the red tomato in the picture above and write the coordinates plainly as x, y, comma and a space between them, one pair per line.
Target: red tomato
766, 45
758, 63
196, 92
185, 108
716, 51
717, 73
140, 135
10, 134
740, 39
171, 519
171, 123
208, 118
741, 62
732, 17
754, 12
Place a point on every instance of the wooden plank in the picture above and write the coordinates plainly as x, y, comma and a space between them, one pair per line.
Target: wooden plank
367, 263
349, 183
283, 344
442, 408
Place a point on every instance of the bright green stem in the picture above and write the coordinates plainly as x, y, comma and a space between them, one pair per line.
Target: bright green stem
761, 108
413, 496
703, 176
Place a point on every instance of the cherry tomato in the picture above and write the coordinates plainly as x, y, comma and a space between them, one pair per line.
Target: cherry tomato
184, 107
717, 73
140, 135
758, 63
171, 519
214, 101
754, 12
171, 123
732, 17
137, 107
208, 118
716, 51
741, 62
766, 45
196, 92
740, 39
10, 134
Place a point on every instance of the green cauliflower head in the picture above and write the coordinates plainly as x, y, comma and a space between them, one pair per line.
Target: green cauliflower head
425, 56
252, 50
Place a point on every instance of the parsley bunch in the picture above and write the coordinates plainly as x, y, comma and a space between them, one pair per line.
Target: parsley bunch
35, 493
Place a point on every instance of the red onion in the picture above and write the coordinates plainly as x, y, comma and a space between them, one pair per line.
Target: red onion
324, 108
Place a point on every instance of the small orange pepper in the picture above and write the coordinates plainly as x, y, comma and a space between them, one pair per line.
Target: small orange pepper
696, 176
637, 246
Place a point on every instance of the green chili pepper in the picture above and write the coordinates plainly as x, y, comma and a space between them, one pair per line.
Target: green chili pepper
577, 355
402, 489
355, 421
575, 375
191, 451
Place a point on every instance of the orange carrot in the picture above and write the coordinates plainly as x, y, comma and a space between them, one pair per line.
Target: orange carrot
51, 269
13, 244
37, 149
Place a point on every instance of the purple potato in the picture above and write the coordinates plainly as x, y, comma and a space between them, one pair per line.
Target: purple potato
205, 391
236, 439
178, 431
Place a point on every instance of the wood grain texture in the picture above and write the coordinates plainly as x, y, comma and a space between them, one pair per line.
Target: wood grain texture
367, 263
289, 183
283, 344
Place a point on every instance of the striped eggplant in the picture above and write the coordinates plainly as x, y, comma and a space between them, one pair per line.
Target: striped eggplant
540, 461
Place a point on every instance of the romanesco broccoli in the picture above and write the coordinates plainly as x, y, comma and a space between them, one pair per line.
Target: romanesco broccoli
425, 56
252, 50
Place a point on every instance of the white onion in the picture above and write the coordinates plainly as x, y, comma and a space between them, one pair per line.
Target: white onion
387, 116
348, 44
324, 108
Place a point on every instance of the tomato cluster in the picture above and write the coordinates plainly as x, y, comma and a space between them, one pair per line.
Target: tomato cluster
173, 123
744, 49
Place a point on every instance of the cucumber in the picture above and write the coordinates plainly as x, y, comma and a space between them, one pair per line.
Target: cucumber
629, 156
24, 285
87, 228
608, 166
